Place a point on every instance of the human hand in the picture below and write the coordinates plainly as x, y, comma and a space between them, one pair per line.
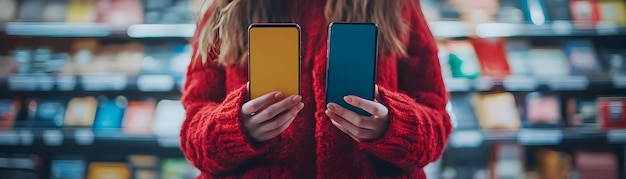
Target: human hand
360, 128
263, 119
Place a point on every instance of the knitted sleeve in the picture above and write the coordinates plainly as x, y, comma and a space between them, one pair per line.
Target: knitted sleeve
419, 125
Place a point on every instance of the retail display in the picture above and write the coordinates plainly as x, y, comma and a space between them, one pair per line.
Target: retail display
104, 170
543, 109
497, 111
110, 113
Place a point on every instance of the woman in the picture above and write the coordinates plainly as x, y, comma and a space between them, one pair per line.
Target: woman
228, 135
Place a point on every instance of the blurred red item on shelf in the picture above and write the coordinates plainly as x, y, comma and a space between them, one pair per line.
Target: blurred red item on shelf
492, 56
611, 112
543, 108
585, 13
139, 117
8, 113
596, 164
119, 13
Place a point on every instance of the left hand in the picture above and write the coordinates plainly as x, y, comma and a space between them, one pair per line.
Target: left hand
360, 128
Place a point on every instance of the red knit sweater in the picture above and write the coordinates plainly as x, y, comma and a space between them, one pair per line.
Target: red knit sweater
212, 137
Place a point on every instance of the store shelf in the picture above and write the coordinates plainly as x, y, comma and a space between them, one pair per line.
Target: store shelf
85, 139
57, 29
161, 30
106, 83
526, 83
46, 29
440, 29
537, 137
453, 29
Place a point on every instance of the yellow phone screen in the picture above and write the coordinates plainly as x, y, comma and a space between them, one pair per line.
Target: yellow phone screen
274, 59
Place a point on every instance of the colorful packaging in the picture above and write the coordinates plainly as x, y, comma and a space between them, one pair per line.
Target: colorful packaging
110, 113
108, 170
9, 110
81, 11
497, 111
585, 13
463, 61
582, 57
139, 117
81, 112
492, 56
582, 112
611, 112
543, 109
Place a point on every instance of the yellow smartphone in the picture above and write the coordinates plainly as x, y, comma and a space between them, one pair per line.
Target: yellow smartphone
274, 59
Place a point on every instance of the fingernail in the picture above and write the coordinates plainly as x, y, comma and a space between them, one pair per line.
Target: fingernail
330, 107
347, 99
300, 106
296, 98
278, 95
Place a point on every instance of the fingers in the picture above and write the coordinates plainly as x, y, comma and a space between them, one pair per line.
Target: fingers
259, 103
352, 117
275, 109
345, 131
359, 133
273, 133
371, 107
280, 120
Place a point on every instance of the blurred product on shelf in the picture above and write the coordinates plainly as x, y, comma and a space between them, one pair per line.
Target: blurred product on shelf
559, 10
497, 111
81, 11
7, 66
40, 60
107, 170
613, 11
582, 112
596, 164
55, 10
120, 14
157, 59
8, 10
611, 112
510, 12
139, 117
81, 112
476, 11
582, 57
543, 109
615, 60
464, 110
20, 166
169, 118
554, 164
31, 10
444, 58
144, 166
507, 161
492, 56
67, 167
517, 55
535, 11
462, 59
181, 57
9, 110
49, 114
585, 13
177, 168
169, 11
548, 62
110, 113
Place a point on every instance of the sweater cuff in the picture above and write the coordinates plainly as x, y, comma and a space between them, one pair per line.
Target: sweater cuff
229, 136
400, 137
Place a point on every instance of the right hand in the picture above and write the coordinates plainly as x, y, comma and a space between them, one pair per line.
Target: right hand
264, 120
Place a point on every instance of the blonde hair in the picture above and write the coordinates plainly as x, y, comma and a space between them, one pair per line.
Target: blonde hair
226, 30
